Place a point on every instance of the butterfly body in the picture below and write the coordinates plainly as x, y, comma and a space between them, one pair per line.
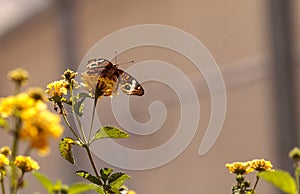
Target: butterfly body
104, 68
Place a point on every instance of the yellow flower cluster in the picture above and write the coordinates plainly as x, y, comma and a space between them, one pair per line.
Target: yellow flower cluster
5, 151
69, 75
131, 192
261, 165
38, 126
57, 88
249, 166
239, 167
3, 160
14, 105
295, 154
20, 76
98, 86
26, 163
37, 123
105, 86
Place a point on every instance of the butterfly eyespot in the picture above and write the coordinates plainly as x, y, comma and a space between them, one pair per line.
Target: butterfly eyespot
127, 87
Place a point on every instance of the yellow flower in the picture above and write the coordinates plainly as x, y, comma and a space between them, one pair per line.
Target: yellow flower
105, 86
7, 106
5, 151
131, 192
20, 76
89, 82
37, 94
14, 105
38, 126
69, 75
295, 153
99, 86
57, 88
124, 190
239, 168
3, 160
26, 163
261, 165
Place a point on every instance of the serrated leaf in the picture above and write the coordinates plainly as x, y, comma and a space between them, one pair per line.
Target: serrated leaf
44, 180
110, 132
281, 179
105, 172
117, 180
65, 149
81, 187
88, 177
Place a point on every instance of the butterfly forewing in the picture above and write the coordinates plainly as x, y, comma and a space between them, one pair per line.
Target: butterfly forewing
104, 68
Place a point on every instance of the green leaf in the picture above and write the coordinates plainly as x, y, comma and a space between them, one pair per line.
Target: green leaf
81, 187
110, 132
44, 180
65, 149
117, 180
281, 179
88, 177
78, 105
59, 187
105, 172
100, 190
3, 123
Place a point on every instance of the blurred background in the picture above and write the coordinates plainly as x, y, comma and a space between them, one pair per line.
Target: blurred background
255, 43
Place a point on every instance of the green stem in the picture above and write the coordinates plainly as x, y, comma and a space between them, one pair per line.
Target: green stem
2, 184
68, 123
256, 182
19, 183
93, 116
14, 154
91, 160
297, 177
76, 116
16, 139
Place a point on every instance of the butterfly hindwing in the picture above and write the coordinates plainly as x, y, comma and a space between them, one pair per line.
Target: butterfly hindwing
129, 84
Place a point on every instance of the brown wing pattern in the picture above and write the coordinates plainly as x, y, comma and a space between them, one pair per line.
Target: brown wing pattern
129, 84
104, 68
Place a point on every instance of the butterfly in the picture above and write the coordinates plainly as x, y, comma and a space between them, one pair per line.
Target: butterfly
104, 68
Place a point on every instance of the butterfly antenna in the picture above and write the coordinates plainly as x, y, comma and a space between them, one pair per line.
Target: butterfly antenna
116, 53
126, 63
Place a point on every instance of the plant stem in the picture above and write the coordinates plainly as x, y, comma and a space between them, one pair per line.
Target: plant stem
13, 156
91, 160
2, 184
93, 116
68, 123
16, 139
256, 182
297, 177
76, 116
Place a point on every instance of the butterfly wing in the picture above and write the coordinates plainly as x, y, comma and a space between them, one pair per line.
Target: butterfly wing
104, 68
128, 84
99, 67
